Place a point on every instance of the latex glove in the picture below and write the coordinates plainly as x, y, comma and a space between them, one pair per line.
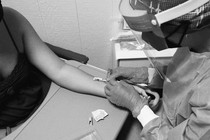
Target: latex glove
129, 74
148, 93
124, 95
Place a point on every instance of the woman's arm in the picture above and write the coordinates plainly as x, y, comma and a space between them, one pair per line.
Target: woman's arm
51, 65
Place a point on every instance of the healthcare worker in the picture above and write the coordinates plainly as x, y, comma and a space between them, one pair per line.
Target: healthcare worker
185, 103
24, 60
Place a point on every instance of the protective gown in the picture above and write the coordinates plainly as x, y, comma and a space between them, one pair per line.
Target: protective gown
185, 113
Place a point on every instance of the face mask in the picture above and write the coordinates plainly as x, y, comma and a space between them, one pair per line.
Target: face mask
146, 16
172, 38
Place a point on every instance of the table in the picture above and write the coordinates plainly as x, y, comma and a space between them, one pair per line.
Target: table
64, 115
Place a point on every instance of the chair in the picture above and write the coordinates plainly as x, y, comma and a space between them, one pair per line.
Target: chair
67, 54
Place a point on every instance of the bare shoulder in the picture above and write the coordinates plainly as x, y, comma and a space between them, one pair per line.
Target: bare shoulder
15, 18
12, 13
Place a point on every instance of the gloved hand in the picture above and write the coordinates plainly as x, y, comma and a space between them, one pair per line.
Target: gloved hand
154, 99
129, 74
124, 95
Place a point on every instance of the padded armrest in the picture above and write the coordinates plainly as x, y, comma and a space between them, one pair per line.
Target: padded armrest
67, 54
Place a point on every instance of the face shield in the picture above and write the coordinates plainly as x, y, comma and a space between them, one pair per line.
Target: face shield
141, 16
146, 21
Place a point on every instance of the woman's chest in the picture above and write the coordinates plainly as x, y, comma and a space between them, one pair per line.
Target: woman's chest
10, 46
8, 61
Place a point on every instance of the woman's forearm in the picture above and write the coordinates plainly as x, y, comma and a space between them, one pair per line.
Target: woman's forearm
77, 80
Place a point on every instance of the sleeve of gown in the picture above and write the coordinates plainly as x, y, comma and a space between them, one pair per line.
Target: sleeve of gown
195, 127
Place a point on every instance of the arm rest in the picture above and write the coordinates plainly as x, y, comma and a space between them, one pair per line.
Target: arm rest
67, 54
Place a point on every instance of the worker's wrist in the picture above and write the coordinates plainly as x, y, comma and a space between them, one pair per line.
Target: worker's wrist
146, 115
138, 106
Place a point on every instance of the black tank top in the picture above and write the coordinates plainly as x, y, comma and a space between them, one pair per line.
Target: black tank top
21, 92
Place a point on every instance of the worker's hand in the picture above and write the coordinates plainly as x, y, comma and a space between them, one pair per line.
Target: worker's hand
129, 74
125, 95
154, 99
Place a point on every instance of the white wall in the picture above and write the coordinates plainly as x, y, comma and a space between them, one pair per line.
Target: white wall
84, 26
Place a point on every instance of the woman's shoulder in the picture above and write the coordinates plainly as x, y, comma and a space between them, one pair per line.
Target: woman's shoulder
14, 18
11, 13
